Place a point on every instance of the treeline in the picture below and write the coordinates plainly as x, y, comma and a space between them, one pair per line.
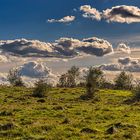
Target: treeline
93, 81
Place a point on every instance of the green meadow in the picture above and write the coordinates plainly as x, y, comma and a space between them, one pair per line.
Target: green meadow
62, 115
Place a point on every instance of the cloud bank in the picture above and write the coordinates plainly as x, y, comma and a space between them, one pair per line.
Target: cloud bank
63, 47
121, 14
124, 64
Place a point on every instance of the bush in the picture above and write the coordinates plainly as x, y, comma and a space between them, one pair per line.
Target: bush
41, 88
14, 78
124, 81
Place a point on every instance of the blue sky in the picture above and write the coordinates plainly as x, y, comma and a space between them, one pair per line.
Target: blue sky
28, 19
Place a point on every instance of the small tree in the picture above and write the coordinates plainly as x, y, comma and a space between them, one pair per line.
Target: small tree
93, 81
41, 88
124, 81
14, 78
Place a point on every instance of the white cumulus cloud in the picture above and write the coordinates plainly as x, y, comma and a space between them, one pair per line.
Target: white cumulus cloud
90, 12
122, 14
123, 48
65, 19
63, 47
32, 71
93, 45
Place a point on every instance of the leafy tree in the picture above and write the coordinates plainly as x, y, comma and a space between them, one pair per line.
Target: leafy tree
124, 81
74, 71
93, 81
69, 79
41, 88
63, 80
72, 76
14, 78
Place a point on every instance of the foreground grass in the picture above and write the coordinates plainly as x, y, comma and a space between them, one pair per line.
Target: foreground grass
61, 115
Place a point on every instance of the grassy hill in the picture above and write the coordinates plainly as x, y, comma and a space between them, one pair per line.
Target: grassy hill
61, 115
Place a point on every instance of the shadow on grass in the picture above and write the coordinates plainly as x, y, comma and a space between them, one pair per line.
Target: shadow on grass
132, 101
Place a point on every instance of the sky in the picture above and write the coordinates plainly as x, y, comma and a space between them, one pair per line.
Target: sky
44, 20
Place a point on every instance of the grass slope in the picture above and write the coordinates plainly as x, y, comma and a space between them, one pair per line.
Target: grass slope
61, 115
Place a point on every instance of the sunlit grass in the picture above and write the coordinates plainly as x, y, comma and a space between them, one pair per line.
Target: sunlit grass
62, 115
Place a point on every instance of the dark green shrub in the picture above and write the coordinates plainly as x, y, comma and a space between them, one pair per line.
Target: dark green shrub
41, 88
